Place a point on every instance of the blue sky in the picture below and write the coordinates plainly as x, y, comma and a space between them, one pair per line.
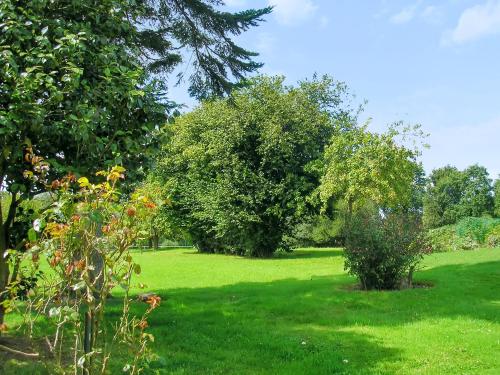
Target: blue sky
436, 63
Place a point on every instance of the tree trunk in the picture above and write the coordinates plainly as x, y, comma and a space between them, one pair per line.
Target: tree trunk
410, 276
156, 242
4, 276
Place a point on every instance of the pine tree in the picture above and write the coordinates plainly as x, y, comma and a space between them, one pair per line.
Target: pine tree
172, 31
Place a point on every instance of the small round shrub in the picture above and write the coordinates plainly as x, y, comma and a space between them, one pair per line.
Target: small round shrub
383, 250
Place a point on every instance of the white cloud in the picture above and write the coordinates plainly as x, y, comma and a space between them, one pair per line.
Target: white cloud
406, 15
429, 11
474, 23
430, 14
292, 12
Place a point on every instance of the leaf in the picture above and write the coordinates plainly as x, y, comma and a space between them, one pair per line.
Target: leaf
137, 269
32, 237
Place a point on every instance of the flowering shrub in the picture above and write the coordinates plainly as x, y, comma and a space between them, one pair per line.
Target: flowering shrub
85, 236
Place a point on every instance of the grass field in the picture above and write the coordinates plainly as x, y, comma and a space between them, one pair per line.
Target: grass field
299, 314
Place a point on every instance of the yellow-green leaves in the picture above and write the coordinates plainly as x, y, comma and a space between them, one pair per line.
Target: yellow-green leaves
83, 182
362, 165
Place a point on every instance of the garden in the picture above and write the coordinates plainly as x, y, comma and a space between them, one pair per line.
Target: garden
267, 230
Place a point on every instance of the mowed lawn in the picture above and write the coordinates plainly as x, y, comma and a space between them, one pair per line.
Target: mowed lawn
298, 314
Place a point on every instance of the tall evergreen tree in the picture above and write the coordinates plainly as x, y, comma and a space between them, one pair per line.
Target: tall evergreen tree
171, 31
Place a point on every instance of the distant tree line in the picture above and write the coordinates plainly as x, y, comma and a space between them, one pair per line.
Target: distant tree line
452, 194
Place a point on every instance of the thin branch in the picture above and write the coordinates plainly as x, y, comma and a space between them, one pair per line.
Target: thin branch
18, 352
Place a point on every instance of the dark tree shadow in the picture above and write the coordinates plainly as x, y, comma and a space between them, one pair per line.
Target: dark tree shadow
298, 326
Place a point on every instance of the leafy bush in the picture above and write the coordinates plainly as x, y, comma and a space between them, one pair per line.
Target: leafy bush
383, 250
476, 228
85, 236
317, 231
493, 236
443, 238
469, 233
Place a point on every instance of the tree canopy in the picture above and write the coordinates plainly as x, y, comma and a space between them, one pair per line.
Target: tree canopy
239, 170
453, 194
364, 166
172, 31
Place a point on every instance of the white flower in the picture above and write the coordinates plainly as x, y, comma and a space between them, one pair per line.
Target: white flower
37, 224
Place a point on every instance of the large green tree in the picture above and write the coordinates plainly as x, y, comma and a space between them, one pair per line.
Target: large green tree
363, 166
75, 88
453, 194
239, 170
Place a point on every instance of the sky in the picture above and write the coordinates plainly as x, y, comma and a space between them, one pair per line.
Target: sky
434, 63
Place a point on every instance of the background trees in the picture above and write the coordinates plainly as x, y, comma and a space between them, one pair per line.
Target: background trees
496, 189
239, 169
452, 195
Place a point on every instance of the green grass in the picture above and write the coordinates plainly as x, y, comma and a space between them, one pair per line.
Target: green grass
298, 314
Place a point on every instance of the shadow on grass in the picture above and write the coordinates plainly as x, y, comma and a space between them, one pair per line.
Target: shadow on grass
303, 326
310, 253
301, 253
306, 326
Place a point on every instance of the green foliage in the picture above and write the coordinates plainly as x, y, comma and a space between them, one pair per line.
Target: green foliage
75, 93
469, 233
493, 236
320, 230
383, 250
157, 223
496, 189
453, 195
476, 228
444, 238
72, 88
172, 30
363, 166
238, 170
85, 237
